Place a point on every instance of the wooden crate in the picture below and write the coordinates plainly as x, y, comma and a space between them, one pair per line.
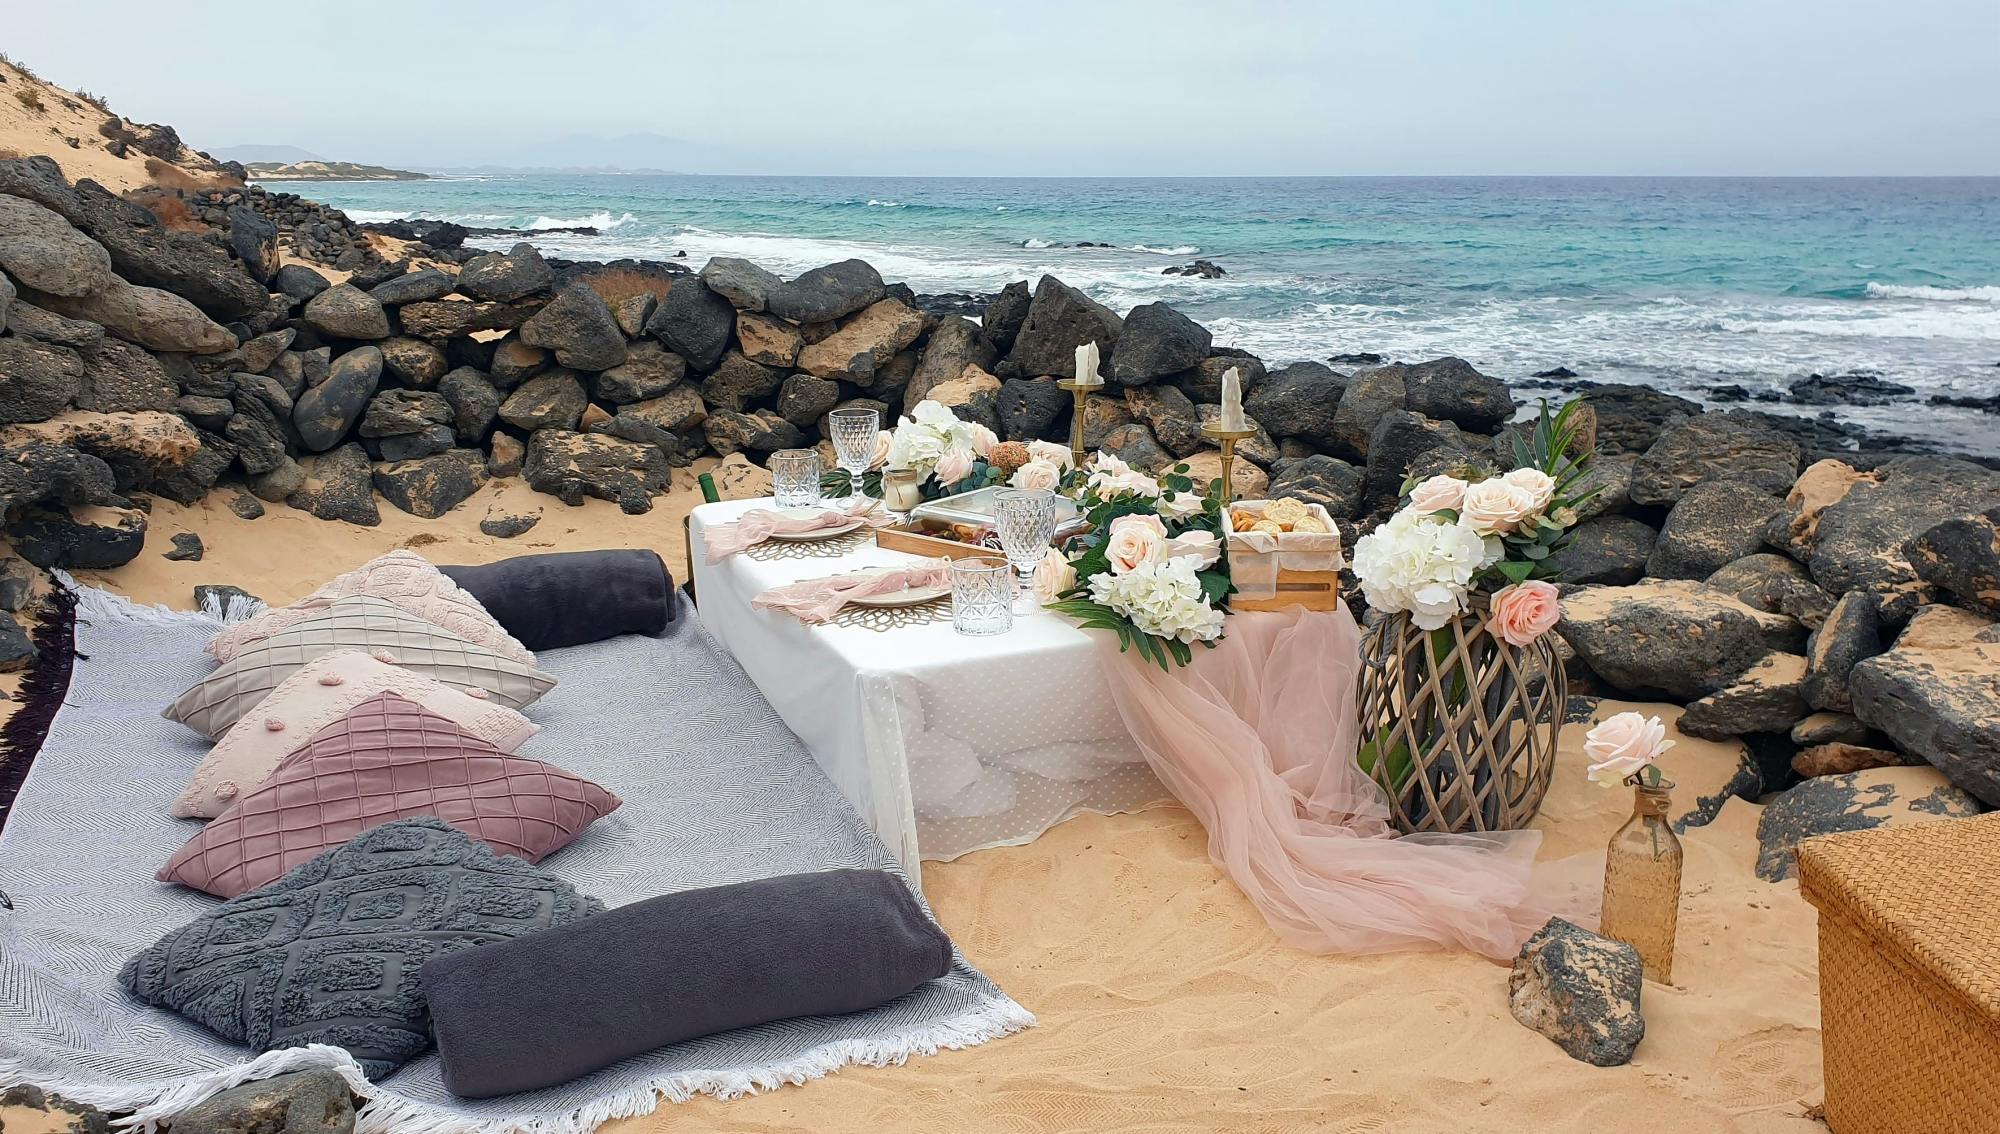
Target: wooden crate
898, 537
1909, 975
1314, 590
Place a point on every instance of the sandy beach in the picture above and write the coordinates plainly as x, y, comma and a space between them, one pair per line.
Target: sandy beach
1164, 1001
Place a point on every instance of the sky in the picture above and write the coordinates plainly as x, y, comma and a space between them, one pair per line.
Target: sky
1045, 88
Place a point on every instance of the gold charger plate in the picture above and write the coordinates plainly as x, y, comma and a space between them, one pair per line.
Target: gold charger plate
908, 596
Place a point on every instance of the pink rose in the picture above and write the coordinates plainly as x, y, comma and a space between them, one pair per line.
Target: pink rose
1198, 545
1437, 494
954, 466
1036, 475
1494, 507
1053, 575
1622, 746
882, 442
1134, 541
1537, 483
1524, 612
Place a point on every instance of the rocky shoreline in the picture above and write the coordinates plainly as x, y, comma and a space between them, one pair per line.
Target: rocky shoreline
1825, 594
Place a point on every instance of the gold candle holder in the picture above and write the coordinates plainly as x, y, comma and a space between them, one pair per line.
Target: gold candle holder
1080, 390
1227, 439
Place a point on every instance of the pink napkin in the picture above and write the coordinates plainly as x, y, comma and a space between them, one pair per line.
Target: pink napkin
816, 600
760, 524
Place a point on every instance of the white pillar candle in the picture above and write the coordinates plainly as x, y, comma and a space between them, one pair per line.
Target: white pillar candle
1232, 401
1086, 365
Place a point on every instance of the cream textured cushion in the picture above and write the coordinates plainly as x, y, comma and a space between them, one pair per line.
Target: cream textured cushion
357, 622
402, 577
321, 692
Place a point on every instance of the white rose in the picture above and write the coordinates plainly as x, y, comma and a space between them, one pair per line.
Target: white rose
884, 441
1539, 486
1103, 462
1437, 494
1183, 505
1134, 541
1622, 746
983, 439
1198, 545
1053, 575
1057, 455
1036, 475
1495, 507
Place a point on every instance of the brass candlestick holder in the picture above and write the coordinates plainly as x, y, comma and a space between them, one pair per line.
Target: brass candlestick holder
1227, 439
1080, 390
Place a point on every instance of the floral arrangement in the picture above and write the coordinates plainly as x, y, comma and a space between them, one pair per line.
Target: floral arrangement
1151, 569
1626, 748
1456, 535
952, 456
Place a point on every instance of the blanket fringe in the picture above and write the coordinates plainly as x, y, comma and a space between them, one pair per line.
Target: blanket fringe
96, 605
385, 1112
40, 695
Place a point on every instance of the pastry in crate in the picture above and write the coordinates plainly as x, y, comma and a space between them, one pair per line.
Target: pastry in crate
1282, 553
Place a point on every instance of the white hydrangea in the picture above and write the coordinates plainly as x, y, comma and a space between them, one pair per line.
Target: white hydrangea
1162, 598
929, 432
1422, 565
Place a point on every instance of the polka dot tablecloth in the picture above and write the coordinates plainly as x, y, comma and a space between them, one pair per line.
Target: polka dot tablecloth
945, 743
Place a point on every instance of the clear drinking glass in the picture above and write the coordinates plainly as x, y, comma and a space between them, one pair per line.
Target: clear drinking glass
1026, 520
854, 432
795, 477
982, 596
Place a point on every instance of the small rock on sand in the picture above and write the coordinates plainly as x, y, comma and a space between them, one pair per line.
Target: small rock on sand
1580, 990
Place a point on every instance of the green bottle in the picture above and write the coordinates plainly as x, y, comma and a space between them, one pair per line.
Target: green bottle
708, 491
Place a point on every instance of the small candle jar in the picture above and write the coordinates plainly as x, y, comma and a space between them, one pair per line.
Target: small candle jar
902, 490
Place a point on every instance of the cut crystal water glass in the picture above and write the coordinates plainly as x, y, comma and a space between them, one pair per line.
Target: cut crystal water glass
795, 477
854, 432
1025, 519
982, 596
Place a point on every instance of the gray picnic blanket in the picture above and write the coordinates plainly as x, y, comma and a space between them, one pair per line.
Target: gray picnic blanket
716, 790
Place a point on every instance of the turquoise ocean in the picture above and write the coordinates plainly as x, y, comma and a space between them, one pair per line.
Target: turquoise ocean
1685, 284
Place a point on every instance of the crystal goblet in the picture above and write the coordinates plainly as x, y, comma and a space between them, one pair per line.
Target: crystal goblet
1025, 519
854, 432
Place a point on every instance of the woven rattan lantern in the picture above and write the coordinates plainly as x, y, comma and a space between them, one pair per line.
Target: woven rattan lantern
1459, 727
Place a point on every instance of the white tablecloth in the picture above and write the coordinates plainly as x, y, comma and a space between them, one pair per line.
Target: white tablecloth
945, 744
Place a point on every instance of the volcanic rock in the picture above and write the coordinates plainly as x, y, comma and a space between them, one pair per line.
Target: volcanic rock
579, 328
1714, 523
338, 485
1681, 638
152, 318
46, 253
1962, 556
325, 413
1581, 991
552, 400
346, 312
1775, 583
1156, 341
741, 282
1606, 549
1061, 319
1857, 801
574, 465
431, 486
826, 293
518, 272
694, 322
1935, 694
1734, 445
413, 287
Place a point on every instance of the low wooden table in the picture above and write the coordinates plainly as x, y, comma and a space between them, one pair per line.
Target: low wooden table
945, 743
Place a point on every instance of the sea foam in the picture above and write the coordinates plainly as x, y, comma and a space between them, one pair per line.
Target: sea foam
1938, 294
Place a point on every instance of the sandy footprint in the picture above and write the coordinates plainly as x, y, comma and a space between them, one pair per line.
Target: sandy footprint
1768, 1067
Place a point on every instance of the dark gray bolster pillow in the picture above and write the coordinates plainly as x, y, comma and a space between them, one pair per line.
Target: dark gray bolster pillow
567, 598
549, 1007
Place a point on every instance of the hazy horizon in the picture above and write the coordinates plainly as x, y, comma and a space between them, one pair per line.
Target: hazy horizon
1784, 88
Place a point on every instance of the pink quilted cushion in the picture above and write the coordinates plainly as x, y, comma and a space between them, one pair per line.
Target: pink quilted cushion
402, 577
389, 758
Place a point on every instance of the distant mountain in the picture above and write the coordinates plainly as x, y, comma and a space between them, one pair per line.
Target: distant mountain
329, 171
265, 155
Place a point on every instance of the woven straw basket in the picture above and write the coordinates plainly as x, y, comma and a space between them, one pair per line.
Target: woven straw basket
1909, 975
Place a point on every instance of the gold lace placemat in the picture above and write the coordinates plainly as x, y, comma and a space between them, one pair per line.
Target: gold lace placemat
885, 618
831, 547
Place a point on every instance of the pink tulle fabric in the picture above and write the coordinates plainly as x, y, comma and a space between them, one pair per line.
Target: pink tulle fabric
1258, 738
816, 600
760, 524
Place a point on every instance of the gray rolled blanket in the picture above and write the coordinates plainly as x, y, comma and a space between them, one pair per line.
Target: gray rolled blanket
568, 598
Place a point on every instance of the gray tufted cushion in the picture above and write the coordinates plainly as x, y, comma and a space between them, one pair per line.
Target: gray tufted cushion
329, 953
357, 622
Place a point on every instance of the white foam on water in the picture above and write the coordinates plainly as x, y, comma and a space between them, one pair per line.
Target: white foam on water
375, 216
1177, 250
1937, 294
600, 220
884, 204
1037, 242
